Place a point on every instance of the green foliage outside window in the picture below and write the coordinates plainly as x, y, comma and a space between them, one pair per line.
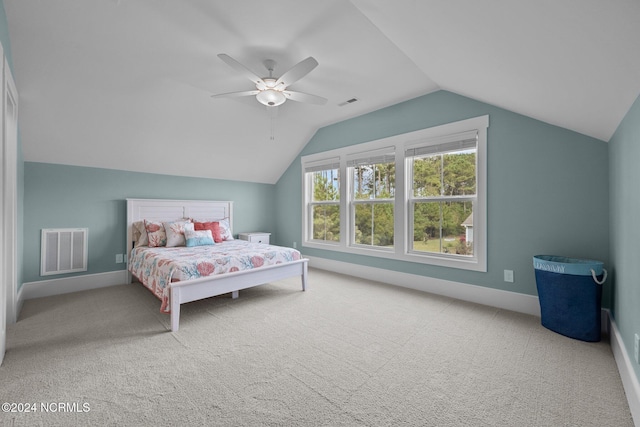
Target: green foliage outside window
437, 225
326, 185
440, 184
326, 216
374, 221
374, 224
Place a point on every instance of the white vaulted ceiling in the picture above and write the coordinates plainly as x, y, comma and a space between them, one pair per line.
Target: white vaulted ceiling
127, 84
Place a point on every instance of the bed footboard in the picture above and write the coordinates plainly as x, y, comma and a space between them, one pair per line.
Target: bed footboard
205, 287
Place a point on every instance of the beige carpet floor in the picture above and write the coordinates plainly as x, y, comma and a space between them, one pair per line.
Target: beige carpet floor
347, 352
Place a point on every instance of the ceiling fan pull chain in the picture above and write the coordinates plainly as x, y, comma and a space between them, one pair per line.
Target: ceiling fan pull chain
273, 111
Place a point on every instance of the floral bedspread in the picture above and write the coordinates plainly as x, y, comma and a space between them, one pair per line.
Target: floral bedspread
157, 267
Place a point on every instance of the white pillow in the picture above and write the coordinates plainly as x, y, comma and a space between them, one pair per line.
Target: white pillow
225, 230
175, 233
140, 234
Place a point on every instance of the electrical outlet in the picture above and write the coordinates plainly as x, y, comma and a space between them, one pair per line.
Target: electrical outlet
295, 245
636, 348
119, 259
508, 276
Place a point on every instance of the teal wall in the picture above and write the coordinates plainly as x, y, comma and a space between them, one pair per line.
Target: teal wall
58, 196
547, 189
624, 158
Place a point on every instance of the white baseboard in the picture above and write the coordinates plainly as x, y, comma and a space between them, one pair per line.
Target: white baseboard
625, 368
45, 288
513, 301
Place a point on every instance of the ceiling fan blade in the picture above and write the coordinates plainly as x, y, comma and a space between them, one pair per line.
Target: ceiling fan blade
297, 72
236, 94
305, 97
242, 69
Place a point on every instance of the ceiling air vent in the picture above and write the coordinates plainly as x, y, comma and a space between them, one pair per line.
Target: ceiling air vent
348, 101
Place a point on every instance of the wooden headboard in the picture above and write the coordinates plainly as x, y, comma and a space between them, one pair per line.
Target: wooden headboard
171, 210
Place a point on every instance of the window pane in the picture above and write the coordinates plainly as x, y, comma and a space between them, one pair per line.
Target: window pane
450, 174
326, 222
376, 181
326, 185
443, 227
459, 177
374, 224
427, 176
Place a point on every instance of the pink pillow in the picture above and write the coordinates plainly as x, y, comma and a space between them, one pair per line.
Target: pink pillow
214, 226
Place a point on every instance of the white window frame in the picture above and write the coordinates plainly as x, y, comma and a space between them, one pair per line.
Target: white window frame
324, 163
402, 217
379, 156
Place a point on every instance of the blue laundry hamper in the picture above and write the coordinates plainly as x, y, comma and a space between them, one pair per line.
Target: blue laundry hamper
570, 293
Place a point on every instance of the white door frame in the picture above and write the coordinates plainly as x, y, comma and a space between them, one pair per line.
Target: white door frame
10, 141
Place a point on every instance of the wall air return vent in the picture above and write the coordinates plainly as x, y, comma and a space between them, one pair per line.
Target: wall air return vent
63, 250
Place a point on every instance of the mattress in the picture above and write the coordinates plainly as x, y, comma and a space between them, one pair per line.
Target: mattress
157, 267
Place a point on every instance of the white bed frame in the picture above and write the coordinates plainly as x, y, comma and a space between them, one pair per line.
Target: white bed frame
205, 287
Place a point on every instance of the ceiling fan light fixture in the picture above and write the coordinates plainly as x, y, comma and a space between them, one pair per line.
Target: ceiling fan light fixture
271, 97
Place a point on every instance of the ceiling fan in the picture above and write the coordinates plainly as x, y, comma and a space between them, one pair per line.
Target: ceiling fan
272, 91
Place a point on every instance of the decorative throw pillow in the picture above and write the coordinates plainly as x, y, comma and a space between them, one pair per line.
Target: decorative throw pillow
140, 234
175, 233
225, 230
155, 232
213, 226
198, 238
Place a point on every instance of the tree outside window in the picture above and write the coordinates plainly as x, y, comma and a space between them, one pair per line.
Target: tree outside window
325, 205
373, 202
443, 195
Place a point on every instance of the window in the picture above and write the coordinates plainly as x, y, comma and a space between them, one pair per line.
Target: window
442, 194
419, 196
323, 183
373, 179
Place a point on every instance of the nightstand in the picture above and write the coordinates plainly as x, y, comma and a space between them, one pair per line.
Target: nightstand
255, 237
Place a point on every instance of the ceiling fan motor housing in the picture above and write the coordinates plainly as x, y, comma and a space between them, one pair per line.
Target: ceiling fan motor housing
271, 97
